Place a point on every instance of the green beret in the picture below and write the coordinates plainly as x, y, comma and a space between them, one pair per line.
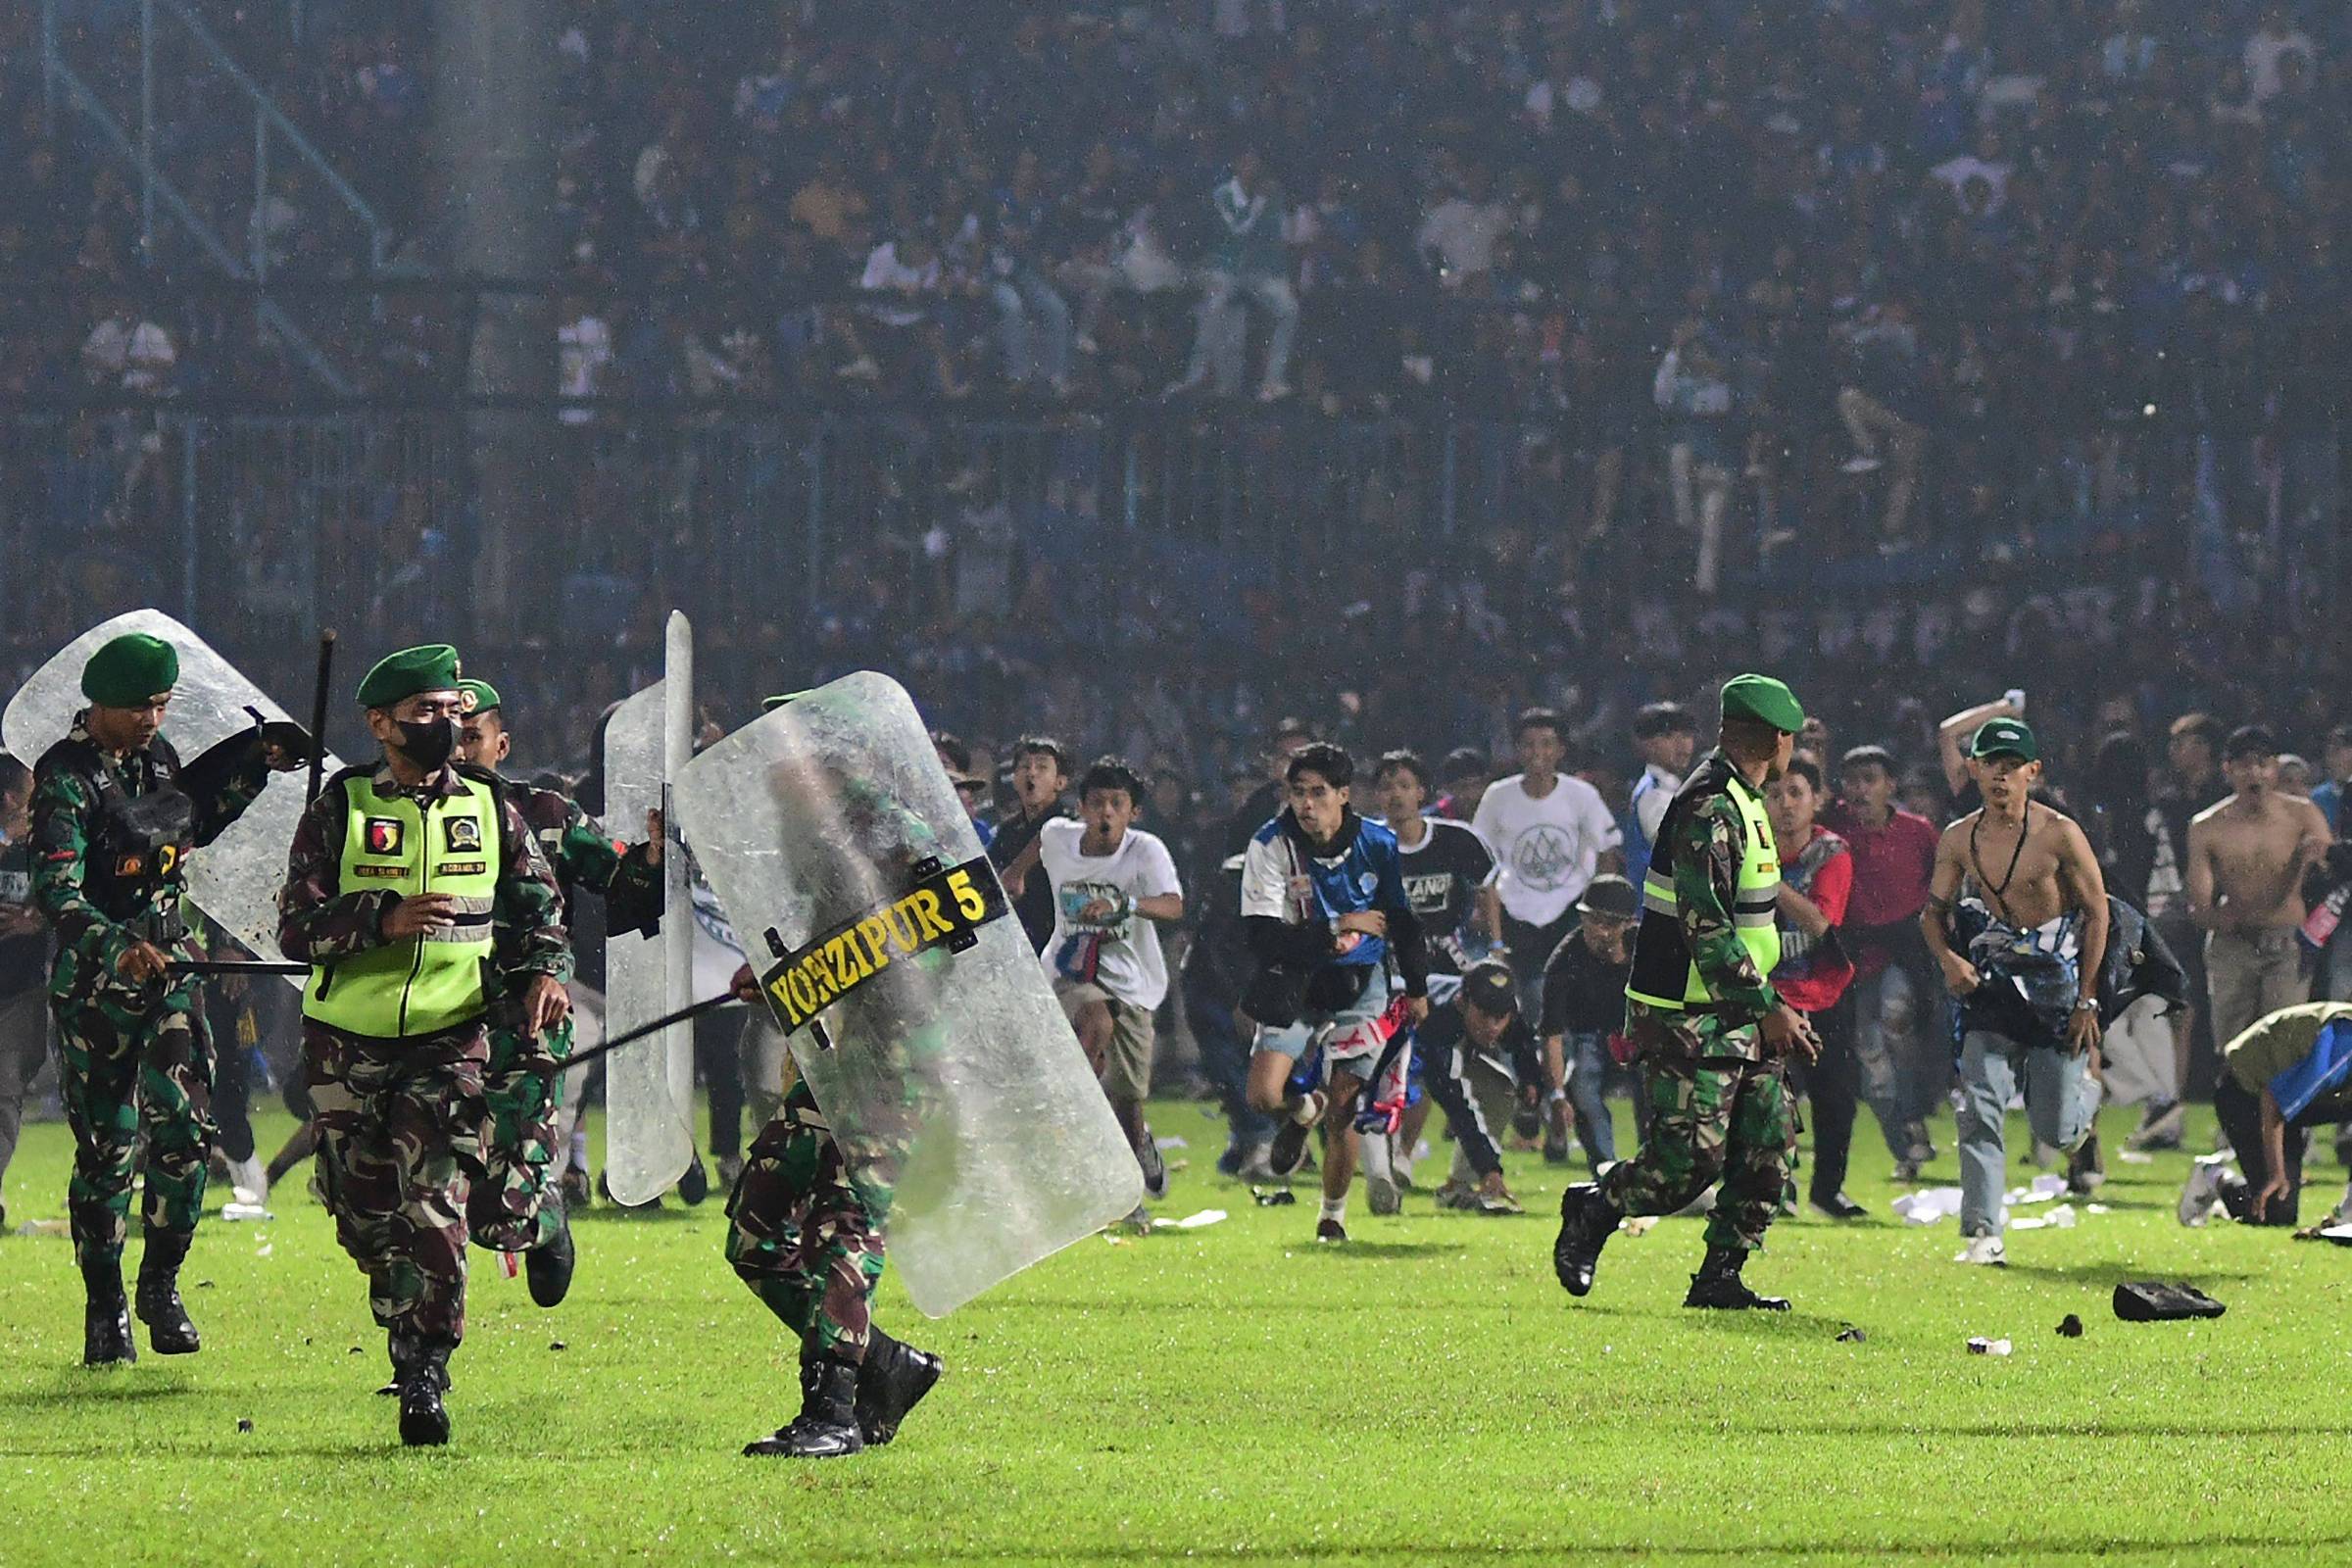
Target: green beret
402, 675
1764, 700
130, 671
480, 697
2005, 737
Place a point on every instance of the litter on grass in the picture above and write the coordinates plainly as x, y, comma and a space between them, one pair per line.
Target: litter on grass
1928, 1206
2042, 1189
2134, 1156
2061, 1218
237, 1213
1984, 1347
1191, 1222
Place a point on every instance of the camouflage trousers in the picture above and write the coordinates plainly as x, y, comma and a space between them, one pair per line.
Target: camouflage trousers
400, 1143
800, 1234
507, 1210
1712, 1118
128, 1075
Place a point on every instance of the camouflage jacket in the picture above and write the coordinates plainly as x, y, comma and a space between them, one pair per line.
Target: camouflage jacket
66, 811
1701, 846
318, 920
583, 856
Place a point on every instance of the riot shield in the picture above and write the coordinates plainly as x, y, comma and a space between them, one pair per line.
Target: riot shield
234, 880
649, 1086
966, 1110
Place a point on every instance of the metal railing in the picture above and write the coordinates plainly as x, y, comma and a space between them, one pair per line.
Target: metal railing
1102, 543
742, 511
179, 168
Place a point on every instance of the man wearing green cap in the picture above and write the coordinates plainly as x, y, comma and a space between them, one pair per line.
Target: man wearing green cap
2034, 923
1712, 1033
398, 879
113, 820
511, 1210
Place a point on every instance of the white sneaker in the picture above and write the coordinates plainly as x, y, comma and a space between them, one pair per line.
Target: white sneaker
2203, 1189
249, 1180
1986, 1249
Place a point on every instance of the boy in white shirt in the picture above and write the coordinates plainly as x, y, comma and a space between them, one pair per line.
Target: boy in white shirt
1552, 834
1112, 885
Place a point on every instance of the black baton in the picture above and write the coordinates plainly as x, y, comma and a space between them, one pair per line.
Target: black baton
327, 665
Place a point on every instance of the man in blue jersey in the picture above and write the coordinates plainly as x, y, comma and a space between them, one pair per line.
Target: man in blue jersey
1326, 915
1667, 737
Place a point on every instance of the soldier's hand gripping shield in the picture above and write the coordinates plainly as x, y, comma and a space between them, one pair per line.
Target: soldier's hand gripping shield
968, 1118
234, 879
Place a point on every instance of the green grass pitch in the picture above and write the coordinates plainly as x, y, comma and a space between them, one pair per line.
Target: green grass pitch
1427, 1394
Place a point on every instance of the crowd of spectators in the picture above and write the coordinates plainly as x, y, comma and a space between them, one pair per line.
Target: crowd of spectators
2038, 301
1852, 218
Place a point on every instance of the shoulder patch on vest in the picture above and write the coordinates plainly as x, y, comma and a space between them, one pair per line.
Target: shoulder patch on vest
464, 833
381, 835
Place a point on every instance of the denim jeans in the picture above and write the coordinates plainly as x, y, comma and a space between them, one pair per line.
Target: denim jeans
2061, 1098
1901, 1053
1032, 328
1588, 1054
1225, 1063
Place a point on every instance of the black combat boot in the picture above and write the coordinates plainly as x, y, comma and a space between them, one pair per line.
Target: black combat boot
407, 1348
168, 1329
1586, 1219
104, 1317
1718, 1284
827, 1425
892, 1381
547, 1267
423, 1376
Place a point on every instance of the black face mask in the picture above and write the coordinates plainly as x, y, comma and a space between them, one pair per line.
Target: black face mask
428, 742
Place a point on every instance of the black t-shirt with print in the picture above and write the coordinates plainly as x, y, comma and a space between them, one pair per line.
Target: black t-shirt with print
1583, 993
23, 959
1441, 878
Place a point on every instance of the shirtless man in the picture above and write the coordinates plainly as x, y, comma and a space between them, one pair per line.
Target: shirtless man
2036, 916
2246, 860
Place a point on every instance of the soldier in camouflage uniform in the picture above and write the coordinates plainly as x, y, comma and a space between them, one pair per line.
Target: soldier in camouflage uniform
804, 1218
513, 1208
114, 819
1713, 1035
397, 876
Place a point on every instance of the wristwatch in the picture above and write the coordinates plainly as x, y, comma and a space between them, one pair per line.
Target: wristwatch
2087, 1003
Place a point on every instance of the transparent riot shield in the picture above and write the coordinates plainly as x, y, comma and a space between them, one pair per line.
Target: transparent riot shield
649, 1086
234, 879
915, 1007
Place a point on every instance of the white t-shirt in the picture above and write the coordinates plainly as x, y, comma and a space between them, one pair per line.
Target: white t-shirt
1549, 849
584, 348
1128, 964
1649, 806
